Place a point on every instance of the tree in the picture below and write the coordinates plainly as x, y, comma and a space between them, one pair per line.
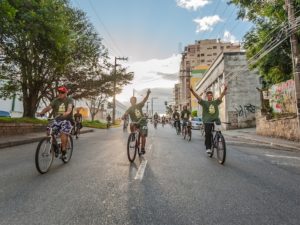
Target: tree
268, 18
95, 104
46, 44
169, 110
194, 113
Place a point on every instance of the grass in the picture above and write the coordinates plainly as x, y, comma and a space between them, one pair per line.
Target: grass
22, 120
99, 124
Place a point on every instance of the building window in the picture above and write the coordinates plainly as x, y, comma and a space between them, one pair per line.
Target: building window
202, 60
228, 46
214, 47
198, 55
202, 54
214, 53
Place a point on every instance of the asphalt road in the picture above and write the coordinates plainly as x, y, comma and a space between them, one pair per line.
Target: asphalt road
180, 184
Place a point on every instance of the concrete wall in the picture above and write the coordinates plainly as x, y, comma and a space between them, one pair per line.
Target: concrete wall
242, 99
286, 128
7, 129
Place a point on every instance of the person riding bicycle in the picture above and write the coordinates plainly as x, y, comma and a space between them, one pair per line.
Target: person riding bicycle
136, 115
176, 118
108, 120
155, 118
163, 120
62, 108
185, 116
126, 121
78, 119
210, 113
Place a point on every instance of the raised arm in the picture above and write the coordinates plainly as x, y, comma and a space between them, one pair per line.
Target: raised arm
223, 93
146, 98
195, 94
47, 109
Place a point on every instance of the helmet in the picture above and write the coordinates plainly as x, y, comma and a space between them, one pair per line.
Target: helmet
62, 89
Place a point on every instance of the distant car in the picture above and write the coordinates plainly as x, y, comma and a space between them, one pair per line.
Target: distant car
196, 123
4, 114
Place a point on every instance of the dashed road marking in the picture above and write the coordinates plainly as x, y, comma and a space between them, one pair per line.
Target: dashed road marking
141, 170
140, 173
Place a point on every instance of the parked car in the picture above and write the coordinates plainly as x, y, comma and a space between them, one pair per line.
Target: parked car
196, 123
4, 114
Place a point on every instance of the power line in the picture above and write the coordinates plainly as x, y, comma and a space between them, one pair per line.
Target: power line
105, 28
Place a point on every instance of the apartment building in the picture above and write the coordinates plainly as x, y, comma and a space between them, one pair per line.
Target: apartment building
200, 54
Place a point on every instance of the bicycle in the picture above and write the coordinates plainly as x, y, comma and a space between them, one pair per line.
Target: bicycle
125, 124
134, 142
177, 126
155, 123
77, 129
218, 143
49, 147
187, 131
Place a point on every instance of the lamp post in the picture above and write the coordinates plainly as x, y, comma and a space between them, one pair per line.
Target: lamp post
152, 104
115, 86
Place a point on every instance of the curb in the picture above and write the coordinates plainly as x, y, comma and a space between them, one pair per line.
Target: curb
255, 142
31, 140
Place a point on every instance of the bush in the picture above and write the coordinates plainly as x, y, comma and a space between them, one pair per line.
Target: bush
94, 124
194, 113
23, 120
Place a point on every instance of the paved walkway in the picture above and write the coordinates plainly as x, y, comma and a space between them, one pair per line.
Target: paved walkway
249, 136
9, 141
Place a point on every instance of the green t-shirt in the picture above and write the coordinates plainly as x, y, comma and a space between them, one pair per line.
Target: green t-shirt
185, 114
210, 110
60, 106
136, 113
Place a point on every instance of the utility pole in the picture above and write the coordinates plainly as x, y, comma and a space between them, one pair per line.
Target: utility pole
152, 104
290, 7
115, 86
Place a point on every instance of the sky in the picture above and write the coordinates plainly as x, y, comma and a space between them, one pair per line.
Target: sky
152, 34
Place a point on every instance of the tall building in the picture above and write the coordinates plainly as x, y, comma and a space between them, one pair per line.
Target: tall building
201, 54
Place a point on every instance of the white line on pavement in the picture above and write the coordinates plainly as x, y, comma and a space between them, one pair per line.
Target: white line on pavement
140, 173
283, 156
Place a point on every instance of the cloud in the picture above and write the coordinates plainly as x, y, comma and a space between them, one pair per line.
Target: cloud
206, 23
192, 4
168, 76
156, 74
228, 37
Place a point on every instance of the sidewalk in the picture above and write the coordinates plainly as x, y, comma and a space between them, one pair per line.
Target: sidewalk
9, 141
249, 136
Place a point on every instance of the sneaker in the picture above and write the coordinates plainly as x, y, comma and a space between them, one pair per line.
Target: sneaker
208, 151
64, 155
143, 151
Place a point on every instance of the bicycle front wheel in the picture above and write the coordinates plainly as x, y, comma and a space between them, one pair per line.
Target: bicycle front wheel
221, 149
189, 134
44, 155
131, 147
69, 150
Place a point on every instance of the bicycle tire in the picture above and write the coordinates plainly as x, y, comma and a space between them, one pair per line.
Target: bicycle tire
189, 134
69, 150
50, 152
221, 149
131, 147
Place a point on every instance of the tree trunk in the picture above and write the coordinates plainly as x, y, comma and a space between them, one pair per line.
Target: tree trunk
29, 106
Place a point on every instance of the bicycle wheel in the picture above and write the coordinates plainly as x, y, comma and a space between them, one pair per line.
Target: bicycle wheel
221, 149
189, 134
44, 155
69, 150
131, 147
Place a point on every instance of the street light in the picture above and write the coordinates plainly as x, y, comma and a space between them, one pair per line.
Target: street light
152, 104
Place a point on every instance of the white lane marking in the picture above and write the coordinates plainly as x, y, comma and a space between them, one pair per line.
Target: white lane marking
283, 156
141, 170
140, 173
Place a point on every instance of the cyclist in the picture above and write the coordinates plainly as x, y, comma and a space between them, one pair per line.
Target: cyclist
155, 118
176, 118
163, 120
78, 121
185, 116
108, 120
62, 108
210, 113
126, 121
136, 115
